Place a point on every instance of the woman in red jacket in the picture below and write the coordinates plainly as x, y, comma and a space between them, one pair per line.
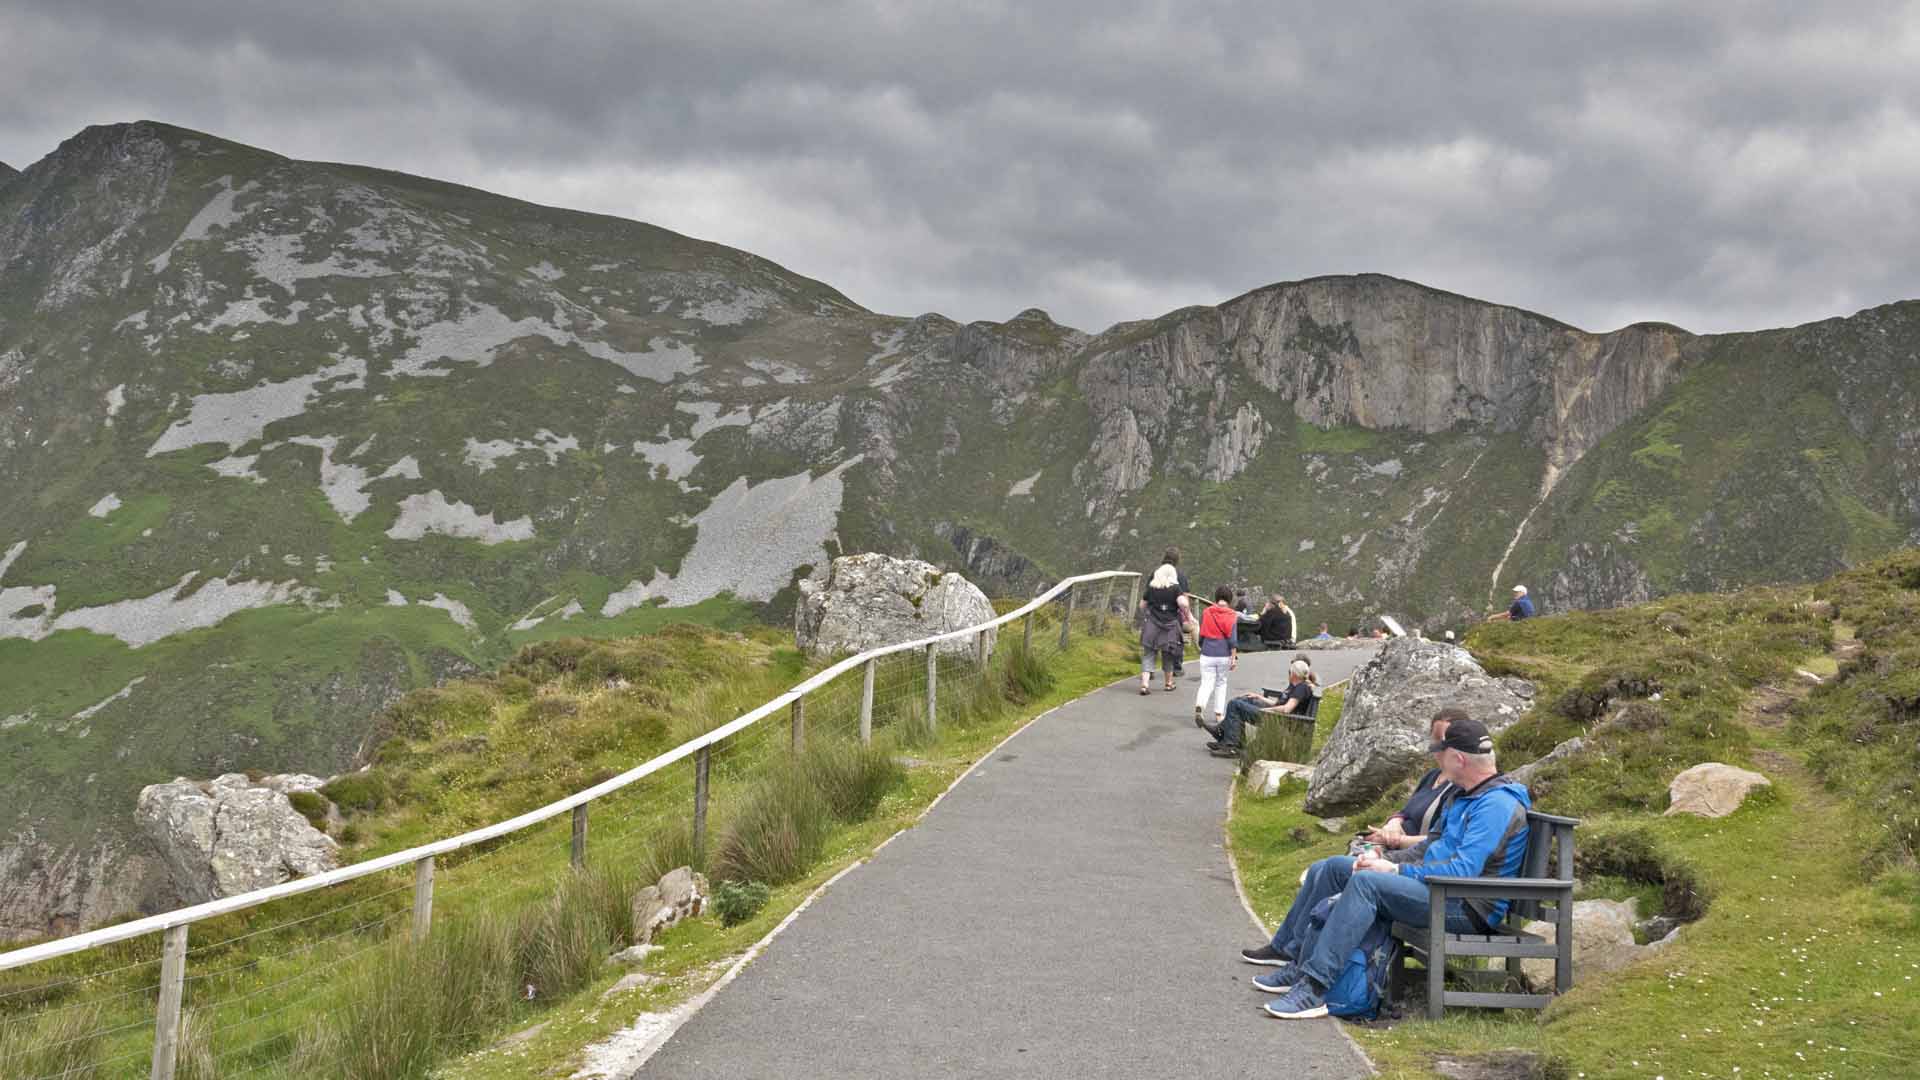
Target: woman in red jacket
1218, 626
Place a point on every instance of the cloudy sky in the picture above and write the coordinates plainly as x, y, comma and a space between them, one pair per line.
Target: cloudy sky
1602, 161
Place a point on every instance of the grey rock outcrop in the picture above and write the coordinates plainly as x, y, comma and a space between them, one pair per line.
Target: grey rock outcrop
1712, 789
1525, 773
231, 835
1602, 941
679, 894
871, 600
1382, 733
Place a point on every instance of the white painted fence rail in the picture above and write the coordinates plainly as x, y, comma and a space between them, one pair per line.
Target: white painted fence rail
173, 924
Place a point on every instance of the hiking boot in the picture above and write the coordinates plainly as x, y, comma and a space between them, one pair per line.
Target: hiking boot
1304, 1002
1198, 720
1265, 956
1280, 980
1213, 730
1232, 750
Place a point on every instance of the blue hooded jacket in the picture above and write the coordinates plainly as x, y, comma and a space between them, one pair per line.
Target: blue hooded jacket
1484, 834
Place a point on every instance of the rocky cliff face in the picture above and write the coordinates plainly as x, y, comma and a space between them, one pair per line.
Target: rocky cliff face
280, 439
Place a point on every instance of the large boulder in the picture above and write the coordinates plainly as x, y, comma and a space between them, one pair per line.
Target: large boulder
1711, 789
231, 835
867, 601
1602, 941
1382, 733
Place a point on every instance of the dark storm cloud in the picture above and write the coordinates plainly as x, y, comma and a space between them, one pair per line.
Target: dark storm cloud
1748, 165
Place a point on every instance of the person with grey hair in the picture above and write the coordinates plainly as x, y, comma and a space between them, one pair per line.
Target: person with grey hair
1343, 899
1163, 617
1301, 686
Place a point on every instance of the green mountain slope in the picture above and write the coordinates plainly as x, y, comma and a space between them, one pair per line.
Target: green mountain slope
280, 440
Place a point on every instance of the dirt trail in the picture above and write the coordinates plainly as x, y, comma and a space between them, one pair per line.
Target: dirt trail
1766, 711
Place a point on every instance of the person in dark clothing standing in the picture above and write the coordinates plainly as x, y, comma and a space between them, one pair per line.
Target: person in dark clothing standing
1172, 558
1163, 616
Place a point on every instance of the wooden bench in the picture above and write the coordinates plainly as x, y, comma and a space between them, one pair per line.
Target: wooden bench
1299, 727
1549, 851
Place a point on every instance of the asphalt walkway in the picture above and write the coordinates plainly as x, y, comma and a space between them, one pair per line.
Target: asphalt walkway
1066, 911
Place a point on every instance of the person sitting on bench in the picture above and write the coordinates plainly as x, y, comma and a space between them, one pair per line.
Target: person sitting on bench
1246, 708
1275, 629
1414, 823
1483, 834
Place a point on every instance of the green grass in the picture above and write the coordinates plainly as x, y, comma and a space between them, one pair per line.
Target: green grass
1805, 956
563, 713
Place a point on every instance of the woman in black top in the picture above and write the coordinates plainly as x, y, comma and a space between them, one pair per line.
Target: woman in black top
1428, 803
1163, 618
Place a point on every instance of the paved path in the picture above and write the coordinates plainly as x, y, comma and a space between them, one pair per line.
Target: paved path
1066, 911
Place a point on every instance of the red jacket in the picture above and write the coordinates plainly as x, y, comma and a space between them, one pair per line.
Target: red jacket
1219, 621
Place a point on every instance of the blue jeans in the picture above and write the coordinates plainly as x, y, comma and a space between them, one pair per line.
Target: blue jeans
1364, 898
1232, 728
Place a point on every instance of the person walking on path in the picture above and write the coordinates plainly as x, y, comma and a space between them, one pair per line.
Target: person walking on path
1521, 608
1218, 655
1163, 617
1171, 557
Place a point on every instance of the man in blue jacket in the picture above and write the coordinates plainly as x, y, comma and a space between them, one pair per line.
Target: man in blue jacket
1484, 834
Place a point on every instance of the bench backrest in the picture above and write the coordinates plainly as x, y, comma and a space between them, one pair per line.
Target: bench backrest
1549, 855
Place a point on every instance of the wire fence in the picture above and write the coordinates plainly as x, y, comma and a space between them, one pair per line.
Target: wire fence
231, 988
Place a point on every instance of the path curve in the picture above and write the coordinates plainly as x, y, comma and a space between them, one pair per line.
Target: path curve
1067, 911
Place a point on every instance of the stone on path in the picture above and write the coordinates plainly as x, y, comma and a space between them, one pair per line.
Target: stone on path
1712, 789
1264, 777
1381, 738
871, 600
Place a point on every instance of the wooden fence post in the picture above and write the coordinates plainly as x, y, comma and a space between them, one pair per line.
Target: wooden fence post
1026, 633
166, 1018
580, 837
933, 672
866, 704
980, 649
1106, 605
799, 723
1066, 620
701, 763
1133, 596
422, 899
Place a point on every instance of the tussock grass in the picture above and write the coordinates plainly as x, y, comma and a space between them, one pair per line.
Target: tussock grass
64, 1044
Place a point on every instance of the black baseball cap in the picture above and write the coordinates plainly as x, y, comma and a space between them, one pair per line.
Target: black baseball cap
1468, 736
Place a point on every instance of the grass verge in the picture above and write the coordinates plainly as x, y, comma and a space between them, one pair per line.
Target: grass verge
1804, 960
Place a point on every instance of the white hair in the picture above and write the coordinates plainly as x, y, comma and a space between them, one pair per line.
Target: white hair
1520, 590
1479, 761
1164, 578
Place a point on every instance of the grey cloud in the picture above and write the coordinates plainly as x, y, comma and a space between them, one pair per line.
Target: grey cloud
1723, 168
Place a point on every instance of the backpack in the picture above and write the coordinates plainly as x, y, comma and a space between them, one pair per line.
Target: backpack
1362, 983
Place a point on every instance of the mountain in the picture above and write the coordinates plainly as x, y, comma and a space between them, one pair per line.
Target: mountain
7, 172
280, 440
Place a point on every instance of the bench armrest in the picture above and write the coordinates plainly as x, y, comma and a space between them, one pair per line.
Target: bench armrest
1502, 888
1554, 818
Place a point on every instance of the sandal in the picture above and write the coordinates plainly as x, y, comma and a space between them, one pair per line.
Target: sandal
1144, 691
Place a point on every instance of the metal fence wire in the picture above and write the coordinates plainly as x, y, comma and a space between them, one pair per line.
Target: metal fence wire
221, 988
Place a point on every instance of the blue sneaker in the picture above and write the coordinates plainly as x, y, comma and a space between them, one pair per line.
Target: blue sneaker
1304, 1002
1280, 980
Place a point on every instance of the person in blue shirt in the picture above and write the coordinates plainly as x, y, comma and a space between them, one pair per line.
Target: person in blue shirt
1482, 834
1521, 608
